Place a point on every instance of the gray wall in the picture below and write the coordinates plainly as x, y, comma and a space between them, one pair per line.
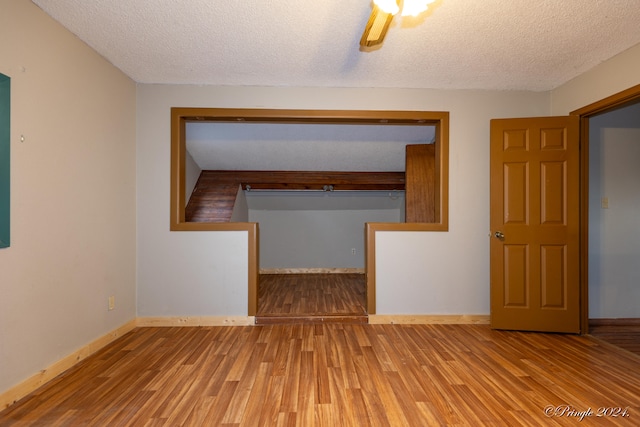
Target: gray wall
240, 208
614, 232
192, 173
316, 229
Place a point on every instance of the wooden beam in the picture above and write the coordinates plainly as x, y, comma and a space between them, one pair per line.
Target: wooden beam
306, 180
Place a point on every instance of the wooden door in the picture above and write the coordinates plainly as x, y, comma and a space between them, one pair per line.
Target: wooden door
535, 263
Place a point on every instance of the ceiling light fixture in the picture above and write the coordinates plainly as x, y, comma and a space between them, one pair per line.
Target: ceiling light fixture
382, 15
415, 7
387, 6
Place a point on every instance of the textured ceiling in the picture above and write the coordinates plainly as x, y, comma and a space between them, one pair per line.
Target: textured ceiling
458, 44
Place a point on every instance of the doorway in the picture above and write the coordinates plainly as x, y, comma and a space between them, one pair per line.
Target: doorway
623, 99
311, 298
614, 241
312, 252
626, 98
614, 224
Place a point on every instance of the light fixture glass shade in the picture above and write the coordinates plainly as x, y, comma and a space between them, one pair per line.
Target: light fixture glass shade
387, 6
415, 7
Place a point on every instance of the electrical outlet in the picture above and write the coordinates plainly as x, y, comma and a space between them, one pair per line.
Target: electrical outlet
605, 203
112, 302
353, 251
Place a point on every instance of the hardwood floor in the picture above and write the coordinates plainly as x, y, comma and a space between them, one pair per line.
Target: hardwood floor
311, 298
623, 333
340, 374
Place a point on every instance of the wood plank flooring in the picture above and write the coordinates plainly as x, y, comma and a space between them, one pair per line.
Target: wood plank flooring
340, 375
311, 298
624, 333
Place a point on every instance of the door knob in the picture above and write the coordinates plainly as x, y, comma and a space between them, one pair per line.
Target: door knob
498, 235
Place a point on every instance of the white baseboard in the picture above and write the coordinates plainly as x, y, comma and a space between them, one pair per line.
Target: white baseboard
428, 319
16, 393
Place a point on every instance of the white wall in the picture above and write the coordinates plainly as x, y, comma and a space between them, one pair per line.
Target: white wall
240, 211
454, 265
318, 229
74, 184
615, 75
72, 195
610, 77
315, 238
614, 233
191, 175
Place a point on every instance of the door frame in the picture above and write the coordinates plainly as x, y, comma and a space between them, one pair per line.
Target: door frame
610, 103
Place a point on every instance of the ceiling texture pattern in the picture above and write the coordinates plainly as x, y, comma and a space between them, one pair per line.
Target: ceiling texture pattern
456, 44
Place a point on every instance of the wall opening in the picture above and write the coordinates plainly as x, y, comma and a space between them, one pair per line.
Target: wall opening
186, 170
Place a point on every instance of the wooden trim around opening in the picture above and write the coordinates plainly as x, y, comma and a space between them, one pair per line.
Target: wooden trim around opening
618, 100
253, 243
181, 116
371, 228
